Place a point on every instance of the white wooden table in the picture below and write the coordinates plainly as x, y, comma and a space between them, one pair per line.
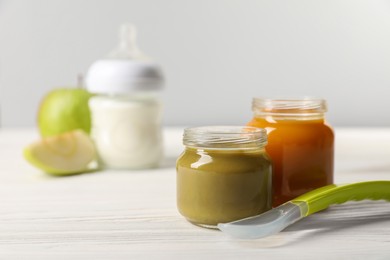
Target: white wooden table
132, 214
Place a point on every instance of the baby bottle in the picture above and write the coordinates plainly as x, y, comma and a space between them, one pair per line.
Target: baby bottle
125, 111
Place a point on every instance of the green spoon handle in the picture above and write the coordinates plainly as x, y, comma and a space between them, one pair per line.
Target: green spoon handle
322, 198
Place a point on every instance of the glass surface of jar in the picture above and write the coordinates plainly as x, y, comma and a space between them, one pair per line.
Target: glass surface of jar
224, 174
300, 143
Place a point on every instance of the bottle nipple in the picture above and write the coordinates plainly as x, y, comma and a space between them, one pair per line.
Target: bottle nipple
127, 48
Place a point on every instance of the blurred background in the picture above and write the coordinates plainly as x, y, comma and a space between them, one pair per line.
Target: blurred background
216, 55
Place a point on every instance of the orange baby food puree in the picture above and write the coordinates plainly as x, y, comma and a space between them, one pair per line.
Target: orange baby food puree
300, 145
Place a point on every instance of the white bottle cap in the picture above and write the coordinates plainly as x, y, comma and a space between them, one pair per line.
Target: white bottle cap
125, 70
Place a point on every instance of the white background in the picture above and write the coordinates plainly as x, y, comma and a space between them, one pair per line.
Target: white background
216, 55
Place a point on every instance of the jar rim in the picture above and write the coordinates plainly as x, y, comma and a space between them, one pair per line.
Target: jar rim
225, 137
305, 106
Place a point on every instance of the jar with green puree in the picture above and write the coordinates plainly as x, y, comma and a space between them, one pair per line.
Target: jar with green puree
224, 174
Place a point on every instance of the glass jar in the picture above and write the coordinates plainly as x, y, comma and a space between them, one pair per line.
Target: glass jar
300, 143
224, 174
127, 130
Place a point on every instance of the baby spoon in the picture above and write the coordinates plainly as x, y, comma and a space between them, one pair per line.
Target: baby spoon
277, 219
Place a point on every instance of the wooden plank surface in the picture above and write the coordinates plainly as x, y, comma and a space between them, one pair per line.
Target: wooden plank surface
132, 214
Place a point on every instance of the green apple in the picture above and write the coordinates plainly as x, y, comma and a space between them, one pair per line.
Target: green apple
63, 110
64, 154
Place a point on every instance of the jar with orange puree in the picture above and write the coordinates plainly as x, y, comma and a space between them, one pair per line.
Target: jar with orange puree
300, 144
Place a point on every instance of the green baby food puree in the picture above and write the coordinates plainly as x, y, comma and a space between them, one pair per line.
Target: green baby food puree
223, 185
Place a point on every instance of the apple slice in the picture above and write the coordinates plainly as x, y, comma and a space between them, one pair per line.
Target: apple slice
64, 154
